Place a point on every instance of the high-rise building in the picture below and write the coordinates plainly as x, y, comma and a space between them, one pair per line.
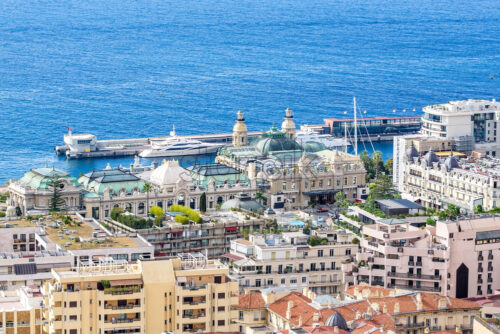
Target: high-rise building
183, 295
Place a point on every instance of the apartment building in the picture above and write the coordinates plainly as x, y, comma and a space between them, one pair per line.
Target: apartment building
436, 182
411, 312
184, 295
213, 238
29, 250
455, 258
21, 311
287, 260
251, 311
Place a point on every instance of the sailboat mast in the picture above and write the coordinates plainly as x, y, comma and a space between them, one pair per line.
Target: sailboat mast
355, 128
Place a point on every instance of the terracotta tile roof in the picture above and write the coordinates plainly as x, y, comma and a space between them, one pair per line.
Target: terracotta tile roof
303, 311
325, 330
430, 302
250, 301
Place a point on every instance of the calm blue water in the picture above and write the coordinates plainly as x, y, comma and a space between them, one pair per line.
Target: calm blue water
133, 68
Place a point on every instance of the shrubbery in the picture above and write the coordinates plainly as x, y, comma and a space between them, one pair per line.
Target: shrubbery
182, 219
129, 220
191, 214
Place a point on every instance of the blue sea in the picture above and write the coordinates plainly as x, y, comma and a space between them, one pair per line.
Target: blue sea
122, 69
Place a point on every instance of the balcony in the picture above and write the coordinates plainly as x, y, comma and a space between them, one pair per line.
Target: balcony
193, 316
122, 290
411, 263
416, 276
121, 307
121, 321
480, 258
490, 256
418, 288
419, 263
414, 325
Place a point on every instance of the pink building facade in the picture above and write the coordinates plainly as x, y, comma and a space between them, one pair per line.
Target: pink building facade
455, 258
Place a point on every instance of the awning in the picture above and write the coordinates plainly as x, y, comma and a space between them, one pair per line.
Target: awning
321, 192
125, 282
176, 232
233, 257
232, 228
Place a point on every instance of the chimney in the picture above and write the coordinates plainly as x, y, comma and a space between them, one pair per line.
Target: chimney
442, 304
457, 329
336, 329
375, 307
382, 328
396, 307
384, 308
289, 310
247, 291
420, 305
300, 320
315, 317
358, 315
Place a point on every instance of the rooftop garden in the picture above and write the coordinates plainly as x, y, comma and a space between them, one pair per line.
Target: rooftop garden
134, 222
188, 214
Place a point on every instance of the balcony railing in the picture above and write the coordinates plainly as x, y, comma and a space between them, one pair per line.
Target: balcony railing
414, 325
121, 321
193, 316
121, 307
196, 302
417, 276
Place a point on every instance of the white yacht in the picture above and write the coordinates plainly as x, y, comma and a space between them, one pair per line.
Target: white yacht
176, 146
306, 134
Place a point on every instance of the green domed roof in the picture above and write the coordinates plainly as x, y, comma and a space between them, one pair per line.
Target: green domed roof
276, 141
313, 146
242, 201
40, 178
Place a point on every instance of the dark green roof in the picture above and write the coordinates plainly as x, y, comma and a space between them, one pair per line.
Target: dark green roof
212, 169
111, 175
276, 141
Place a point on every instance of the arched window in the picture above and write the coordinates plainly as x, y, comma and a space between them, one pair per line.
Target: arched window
128, 207
140, 208
192, 203
220, 200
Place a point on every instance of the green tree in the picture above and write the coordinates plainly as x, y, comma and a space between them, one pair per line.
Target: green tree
203, 202
259, 196
56, 202
378, 163
158, 213
478, 209
245, 233
146, 188
355, 241
340, 200
382, 188
451, 212
430, 222
368, 164
115, 212
388, 166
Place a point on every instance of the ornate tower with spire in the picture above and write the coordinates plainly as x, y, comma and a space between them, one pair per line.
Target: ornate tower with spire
240, 133
288, 126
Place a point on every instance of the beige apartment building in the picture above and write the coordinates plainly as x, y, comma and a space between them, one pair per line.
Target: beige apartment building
183, 295
455, 258
21, 311
286, 260
436, 182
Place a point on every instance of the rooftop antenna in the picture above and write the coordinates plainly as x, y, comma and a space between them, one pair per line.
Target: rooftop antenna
355, 128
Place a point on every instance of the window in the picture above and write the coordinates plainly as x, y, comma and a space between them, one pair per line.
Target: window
268, 269
221, 323
256, 315
332, 251
73, 304
320, 253
354, 180
338, 182
221, 295
283, 281
240, 317
345, 181
348, 251
304, 279
221, 309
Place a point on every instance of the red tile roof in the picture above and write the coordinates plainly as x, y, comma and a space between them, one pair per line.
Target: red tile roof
250, 301
325, 330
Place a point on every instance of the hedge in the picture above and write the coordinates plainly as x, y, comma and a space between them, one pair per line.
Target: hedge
190, 213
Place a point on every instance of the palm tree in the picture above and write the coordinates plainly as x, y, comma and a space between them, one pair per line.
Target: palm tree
259, 196
146, 189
